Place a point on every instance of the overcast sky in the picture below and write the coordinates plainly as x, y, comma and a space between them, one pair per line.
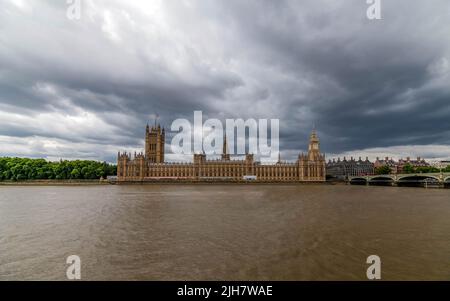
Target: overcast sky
86, 88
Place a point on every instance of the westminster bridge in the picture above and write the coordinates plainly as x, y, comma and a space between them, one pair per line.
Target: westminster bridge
411, 179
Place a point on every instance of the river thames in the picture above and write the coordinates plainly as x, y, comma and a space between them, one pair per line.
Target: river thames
224, 232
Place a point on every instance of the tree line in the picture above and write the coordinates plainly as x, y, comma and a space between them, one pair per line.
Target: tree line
22, 169
408, 168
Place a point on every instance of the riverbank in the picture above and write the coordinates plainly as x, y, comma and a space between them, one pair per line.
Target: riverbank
54, 183
218, 182
106, 182
169, 183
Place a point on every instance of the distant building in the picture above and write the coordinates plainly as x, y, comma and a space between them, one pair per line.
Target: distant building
414, 163
397, 167
342, 169
150, 166
386, 162
444, 164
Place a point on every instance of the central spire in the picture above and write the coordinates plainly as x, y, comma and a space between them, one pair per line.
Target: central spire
225, 155
225, 147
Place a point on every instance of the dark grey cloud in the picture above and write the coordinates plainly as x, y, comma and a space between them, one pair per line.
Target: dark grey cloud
91, 85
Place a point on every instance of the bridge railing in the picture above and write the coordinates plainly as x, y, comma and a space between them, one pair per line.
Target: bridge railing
440, 177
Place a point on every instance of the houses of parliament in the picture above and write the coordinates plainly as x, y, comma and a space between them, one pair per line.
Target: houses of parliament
151, 167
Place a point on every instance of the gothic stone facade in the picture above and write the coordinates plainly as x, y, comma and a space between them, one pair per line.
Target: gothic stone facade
150, 166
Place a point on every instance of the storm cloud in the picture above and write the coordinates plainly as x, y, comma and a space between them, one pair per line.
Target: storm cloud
86, 88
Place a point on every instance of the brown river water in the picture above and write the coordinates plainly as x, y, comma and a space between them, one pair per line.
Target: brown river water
224, 232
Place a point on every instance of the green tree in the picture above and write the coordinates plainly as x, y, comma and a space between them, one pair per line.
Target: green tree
75, 174
383, 170
20, 169
408, 168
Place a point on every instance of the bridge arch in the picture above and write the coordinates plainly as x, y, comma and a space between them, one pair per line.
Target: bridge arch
447, 182
358, 181
417, 176
418, 180
382, 180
